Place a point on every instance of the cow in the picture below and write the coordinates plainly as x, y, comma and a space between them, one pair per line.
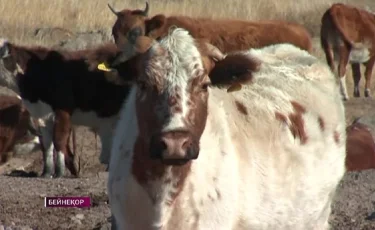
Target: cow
348, 34
227, 34
60, 88
243, 140
18, 132
360, 146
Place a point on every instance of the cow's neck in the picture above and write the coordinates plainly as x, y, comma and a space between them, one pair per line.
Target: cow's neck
162, 183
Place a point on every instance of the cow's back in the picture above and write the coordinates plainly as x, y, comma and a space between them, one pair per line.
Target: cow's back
288, 131
231, 35
354, 24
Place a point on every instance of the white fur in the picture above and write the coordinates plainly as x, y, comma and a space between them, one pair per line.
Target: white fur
26, 148
251, 172
343, 89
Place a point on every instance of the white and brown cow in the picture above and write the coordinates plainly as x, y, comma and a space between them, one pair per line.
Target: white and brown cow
348, 34
189, 154
59, 88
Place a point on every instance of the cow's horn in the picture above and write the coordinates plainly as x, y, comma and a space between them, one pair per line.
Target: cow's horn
214, 52
113, 10
145, 11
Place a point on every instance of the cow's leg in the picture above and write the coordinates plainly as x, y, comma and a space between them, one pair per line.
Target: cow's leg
356, 71
64, 157
113, 223
105, 134
328, 51
344, 59
368, 73
47, 147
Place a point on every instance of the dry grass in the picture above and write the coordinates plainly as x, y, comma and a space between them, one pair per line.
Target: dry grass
20, 17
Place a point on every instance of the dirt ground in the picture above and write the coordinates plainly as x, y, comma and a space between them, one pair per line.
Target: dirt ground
22, 197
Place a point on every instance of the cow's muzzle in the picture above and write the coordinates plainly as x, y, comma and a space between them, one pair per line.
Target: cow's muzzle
174, 147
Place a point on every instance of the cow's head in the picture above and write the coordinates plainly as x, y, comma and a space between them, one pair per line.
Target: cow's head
129, 24
8, 66
173, 81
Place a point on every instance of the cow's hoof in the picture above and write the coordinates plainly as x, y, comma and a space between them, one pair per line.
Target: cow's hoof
367, 93
46, 175
356, 94
59, 173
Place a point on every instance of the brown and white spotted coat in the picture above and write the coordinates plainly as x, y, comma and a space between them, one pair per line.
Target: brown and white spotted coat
189, 155
348, 35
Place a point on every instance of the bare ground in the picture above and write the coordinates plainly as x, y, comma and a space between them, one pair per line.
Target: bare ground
22, 196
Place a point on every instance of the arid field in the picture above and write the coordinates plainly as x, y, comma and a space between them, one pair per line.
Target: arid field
76, 24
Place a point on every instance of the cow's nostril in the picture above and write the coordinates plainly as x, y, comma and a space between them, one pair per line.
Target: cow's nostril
185, 144
163, 145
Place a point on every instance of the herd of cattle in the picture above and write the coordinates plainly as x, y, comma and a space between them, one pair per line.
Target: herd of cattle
227, 124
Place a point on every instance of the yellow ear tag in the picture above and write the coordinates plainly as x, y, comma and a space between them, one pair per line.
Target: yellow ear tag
234, 87
103, 67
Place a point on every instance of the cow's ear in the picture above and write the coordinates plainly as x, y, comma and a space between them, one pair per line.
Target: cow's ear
123, 74
155, 27
233, 71
4, 48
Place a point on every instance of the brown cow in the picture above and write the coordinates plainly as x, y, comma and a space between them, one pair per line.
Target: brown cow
18, 133
226, 34
360, 145
59, 88
349, 34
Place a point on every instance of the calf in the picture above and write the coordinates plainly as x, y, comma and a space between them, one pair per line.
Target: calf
210, 159
59, 88
360, 145
348, 33
226, 34
17, 130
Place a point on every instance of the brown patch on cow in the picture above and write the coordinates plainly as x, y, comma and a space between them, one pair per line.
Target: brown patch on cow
296, 125
336, 137
298, 107
146, 169
241, 107
234, 69
321, 123
281, 117
360, 147
218, 194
